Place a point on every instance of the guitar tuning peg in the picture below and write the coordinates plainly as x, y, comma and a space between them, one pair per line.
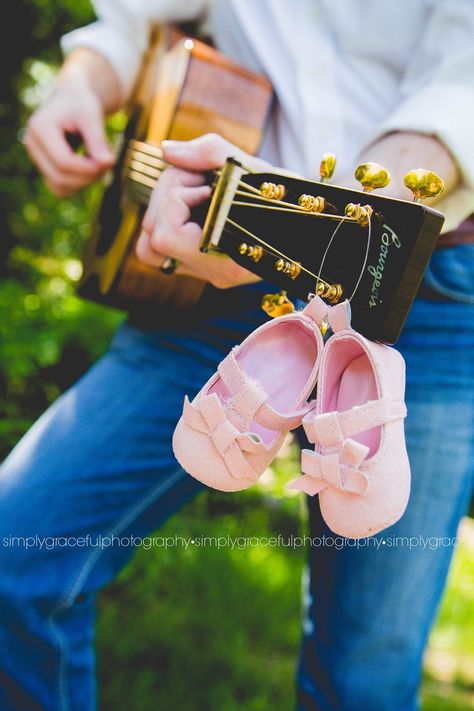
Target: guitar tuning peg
423, 184
272, 191
326, 169
372, 176
277, 304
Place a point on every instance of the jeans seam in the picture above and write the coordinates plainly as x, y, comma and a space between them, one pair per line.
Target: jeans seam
433, 282
82, 575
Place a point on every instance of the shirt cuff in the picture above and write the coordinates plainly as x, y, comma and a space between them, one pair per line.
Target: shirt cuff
124, 57
444, 112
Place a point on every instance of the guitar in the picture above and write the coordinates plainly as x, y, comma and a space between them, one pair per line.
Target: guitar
187, 89
312, 237
304, 236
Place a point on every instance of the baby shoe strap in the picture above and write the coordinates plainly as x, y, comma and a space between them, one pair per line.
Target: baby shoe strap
316, 309
273, 420
340, 316
330, 429
247, 395
249, 400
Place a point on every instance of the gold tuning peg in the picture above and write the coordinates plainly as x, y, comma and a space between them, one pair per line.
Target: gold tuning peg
277, 304
423, 184
328, 164
272, 191
372, 176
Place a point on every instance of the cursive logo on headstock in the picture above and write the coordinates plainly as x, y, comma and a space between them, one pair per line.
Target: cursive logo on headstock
389, 239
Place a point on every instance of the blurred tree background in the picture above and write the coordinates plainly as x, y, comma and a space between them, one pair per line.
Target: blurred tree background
48, 337
199, 629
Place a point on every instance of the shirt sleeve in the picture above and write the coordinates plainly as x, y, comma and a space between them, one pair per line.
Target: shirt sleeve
437, 96
122, 30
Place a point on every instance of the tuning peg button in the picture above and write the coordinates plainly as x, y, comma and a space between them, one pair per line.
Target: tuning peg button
277, 304
372, 176
326, 169
423, 184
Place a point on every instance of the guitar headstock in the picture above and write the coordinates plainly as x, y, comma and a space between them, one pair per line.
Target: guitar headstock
313, 237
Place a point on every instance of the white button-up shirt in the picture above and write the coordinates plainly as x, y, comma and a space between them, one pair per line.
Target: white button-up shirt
344, 71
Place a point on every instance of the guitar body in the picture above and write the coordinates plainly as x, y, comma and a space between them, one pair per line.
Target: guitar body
187, 89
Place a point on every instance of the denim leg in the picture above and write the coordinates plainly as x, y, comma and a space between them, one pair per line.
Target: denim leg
98, 462
369, 609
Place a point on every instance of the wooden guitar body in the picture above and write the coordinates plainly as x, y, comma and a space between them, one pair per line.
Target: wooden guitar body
187, 89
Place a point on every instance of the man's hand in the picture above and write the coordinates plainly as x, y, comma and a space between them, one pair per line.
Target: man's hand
77, 105
167, 229
402, 151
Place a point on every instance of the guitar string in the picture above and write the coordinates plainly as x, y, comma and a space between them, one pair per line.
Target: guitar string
291, 208
279, 207
153, 152
295, 211
255, 191
271, 249
369, 236
325, 253
282, 208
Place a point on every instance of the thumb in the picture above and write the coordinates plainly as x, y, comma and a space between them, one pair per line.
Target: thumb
207, 152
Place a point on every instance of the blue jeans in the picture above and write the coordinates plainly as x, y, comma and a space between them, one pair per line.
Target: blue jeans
99, 461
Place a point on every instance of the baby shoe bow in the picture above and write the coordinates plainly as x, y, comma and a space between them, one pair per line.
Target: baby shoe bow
339, 470
359, 466
232, 430
208, 417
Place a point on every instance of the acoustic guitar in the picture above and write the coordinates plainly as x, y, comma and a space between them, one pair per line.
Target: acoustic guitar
187, 89
312, 237
304, 236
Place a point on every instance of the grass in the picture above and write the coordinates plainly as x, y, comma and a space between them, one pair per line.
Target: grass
199, 628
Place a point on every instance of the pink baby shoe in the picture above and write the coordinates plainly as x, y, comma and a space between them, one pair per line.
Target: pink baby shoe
232, 430
359, 467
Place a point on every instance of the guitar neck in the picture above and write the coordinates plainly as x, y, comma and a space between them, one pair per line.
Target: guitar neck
310, 237
142, 166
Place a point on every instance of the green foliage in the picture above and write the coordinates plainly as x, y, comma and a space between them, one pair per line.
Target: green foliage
202, 627
48, 336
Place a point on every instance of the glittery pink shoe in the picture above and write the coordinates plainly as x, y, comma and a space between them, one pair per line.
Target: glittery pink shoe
360, 466
232, 430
